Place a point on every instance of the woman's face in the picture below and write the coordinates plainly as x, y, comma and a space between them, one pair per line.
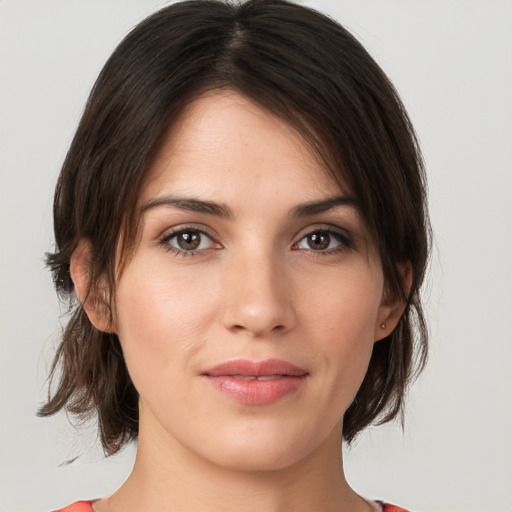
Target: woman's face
248, 312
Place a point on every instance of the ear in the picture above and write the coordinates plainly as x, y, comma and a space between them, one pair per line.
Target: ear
92, 296
392, 308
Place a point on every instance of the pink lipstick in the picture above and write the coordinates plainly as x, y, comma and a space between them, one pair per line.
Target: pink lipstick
256, 382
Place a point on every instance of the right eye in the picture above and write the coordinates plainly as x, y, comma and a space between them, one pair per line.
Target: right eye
188, 241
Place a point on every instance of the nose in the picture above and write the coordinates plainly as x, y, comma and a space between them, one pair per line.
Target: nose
258, 297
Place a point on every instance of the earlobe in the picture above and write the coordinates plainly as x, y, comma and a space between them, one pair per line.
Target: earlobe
392, 308
93, 297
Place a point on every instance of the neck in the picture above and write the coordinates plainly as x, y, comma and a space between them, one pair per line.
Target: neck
168, 477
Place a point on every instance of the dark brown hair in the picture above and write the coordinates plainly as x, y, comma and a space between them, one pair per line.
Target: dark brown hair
305, 68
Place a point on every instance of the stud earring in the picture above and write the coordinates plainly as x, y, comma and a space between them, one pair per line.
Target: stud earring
382, 325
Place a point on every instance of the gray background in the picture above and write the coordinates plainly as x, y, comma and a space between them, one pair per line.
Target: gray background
451, 62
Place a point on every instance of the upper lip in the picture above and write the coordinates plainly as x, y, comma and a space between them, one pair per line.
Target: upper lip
249, 368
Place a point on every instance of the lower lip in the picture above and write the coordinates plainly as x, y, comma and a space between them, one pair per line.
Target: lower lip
257, 392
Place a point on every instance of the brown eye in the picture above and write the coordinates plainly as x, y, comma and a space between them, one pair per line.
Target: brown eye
323, 241
318, 241
188, 240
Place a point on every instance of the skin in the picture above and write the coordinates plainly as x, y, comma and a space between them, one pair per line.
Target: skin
256, 288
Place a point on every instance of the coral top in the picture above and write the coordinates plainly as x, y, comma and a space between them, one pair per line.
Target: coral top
79, 506
86, 506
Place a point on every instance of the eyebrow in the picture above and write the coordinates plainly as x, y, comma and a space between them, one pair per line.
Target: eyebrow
220, 210
189, 204
316, 207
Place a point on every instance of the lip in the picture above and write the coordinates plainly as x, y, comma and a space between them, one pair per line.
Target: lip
256, 382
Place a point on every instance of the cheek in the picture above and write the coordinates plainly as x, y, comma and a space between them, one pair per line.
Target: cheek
162, 319
345, 318
349, 305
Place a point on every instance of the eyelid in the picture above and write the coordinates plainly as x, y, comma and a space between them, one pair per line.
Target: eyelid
170, 233
346, 238
192, 226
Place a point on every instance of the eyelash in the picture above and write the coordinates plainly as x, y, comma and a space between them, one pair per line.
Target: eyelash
165, 241
345, 242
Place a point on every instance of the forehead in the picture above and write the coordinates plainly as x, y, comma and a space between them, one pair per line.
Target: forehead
224, 144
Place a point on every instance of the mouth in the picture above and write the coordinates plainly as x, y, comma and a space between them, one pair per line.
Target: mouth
256, 377
256, 382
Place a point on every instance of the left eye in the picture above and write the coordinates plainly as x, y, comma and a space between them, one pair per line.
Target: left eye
320, 241
189, 240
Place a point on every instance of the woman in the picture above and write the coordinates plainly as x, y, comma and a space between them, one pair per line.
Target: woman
241, 216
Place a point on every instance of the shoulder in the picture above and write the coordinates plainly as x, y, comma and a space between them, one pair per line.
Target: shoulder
85, 506
79, 506
387, 507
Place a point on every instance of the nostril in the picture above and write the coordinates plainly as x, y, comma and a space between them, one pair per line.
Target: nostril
238, 327
258, 317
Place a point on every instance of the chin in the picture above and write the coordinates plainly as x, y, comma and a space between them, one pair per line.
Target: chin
255, 458
263, 450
